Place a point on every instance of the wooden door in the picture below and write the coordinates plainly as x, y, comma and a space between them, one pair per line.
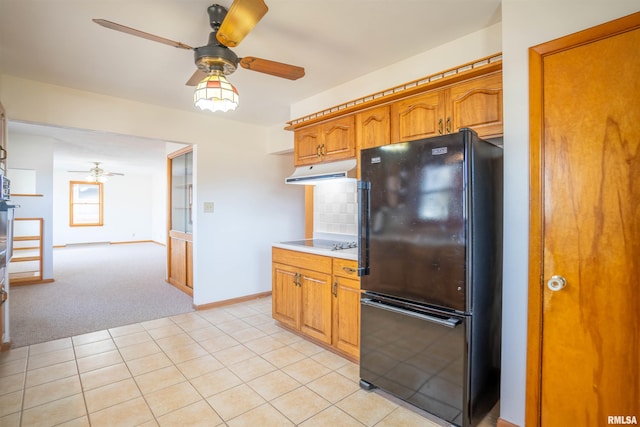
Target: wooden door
420, 116
338, 139
285, 304
476, 104
315, 317
584, 346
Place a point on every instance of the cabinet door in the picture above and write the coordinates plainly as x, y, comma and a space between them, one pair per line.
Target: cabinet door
315, 320
338, 139
477, 104
189, 267
177, 264
373, 128
286, 295
307, 146
420, 116
346, 315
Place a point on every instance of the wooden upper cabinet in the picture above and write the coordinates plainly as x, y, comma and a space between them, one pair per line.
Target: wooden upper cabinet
339, 139
420, 116
325, 142
373, 128
307, 146
477, 104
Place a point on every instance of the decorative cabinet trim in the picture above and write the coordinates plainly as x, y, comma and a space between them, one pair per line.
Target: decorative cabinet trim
461, 73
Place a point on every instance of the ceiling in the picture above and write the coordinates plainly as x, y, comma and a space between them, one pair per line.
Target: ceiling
334, 40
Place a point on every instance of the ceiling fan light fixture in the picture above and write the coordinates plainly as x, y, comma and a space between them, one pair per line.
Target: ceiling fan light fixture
96, 178
215, 93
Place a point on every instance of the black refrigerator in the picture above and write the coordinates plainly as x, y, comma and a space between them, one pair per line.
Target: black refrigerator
430, 261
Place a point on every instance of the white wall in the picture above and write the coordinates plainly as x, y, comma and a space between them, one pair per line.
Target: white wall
253, 208
526, 24
457, 52
128, 213
35, 153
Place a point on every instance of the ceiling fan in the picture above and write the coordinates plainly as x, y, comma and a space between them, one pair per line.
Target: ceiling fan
229, 29
97, 174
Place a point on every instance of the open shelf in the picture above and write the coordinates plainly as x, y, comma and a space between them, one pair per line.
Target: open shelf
26, 264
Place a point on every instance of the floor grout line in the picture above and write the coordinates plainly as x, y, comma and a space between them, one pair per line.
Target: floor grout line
186, 335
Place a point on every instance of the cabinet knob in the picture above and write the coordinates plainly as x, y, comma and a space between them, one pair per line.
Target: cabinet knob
556, 283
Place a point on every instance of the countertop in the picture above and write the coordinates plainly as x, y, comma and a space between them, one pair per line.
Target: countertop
350, 254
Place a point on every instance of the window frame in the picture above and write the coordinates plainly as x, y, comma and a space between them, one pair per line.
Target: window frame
100, 204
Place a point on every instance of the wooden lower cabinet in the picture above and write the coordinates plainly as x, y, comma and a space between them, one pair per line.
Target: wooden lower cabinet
346, 307
302, 296
180, 261
307, 297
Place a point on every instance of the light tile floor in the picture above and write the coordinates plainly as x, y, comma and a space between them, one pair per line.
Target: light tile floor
229, 366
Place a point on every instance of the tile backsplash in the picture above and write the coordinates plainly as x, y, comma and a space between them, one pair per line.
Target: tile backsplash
335, 208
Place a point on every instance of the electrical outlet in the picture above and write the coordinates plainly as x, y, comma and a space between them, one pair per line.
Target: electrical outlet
208, 207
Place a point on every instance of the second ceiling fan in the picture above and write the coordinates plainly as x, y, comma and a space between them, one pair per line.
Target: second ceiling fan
229, 29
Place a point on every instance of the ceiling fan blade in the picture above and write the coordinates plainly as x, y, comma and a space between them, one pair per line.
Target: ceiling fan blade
196, 78
242, 16
138, 33
113, 174
278, 69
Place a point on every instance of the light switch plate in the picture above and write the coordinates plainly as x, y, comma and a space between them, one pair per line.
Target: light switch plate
208, 207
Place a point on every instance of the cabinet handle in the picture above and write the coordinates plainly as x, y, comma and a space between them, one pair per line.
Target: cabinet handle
318, 151
3, 153
448, 124
296, 279
323, 152
335, 289
440, 123
349, 270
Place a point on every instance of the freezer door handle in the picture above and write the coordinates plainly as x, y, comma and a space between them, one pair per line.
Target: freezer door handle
449, 323
364, 190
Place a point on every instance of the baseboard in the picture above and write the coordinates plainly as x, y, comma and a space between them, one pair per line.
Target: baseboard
319, 343
124, 242
29, 282
504, 423
232, 301
137, 241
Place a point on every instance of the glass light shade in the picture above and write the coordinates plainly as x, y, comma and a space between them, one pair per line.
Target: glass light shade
93, 178
215, 93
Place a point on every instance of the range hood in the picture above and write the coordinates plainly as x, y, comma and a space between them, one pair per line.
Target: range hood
343, 170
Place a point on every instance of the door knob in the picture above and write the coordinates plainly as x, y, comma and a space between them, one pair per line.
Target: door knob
556, 283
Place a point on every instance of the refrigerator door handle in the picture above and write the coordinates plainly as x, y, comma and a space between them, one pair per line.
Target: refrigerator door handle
449, 323
364, 191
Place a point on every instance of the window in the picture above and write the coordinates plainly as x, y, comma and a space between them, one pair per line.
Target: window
85, 203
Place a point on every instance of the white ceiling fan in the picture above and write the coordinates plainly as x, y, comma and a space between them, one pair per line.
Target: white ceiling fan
97, 174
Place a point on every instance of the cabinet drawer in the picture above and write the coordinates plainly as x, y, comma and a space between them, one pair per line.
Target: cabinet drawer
302, 259
345, 268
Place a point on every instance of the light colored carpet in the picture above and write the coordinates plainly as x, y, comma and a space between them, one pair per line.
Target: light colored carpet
96, 287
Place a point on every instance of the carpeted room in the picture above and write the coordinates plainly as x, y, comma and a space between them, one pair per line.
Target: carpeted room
95, 287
